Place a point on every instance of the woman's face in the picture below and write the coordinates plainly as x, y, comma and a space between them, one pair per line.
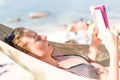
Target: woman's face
38, 45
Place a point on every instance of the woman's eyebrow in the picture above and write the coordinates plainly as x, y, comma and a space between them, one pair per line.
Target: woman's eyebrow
35, 36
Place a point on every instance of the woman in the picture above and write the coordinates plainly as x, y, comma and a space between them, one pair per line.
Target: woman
37, 46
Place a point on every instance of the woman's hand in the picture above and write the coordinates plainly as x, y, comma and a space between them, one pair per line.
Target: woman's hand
95, 40
109, 39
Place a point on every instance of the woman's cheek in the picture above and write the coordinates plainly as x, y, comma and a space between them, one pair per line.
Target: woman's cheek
41, 46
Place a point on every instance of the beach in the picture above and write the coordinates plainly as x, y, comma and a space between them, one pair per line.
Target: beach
52, 20
58, 13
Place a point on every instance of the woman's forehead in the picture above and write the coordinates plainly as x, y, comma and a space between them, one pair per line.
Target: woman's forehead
28, 32
27, 35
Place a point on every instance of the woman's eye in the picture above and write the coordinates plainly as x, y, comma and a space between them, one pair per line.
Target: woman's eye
39, 38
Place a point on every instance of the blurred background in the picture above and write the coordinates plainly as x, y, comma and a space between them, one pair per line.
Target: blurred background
53, 14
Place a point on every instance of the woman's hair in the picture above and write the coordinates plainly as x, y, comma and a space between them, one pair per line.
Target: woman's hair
14, 39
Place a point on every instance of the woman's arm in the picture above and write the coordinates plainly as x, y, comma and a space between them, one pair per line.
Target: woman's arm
110, 40
92, 54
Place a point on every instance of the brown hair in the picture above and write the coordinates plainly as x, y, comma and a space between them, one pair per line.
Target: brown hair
18, 32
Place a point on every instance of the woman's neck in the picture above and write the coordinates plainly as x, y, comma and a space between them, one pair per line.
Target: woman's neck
56, 53
51, 61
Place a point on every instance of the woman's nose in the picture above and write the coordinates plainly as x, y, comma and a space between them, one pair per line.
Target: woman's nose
44, 37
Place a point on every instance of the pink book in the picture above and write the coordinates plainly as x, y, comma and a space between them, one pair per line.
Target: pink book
100, 17
104, 14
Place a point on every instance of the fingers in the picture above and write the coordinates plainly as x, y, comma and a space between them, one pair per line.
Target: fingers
95, 40
95, 32
108, 36
114, 32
